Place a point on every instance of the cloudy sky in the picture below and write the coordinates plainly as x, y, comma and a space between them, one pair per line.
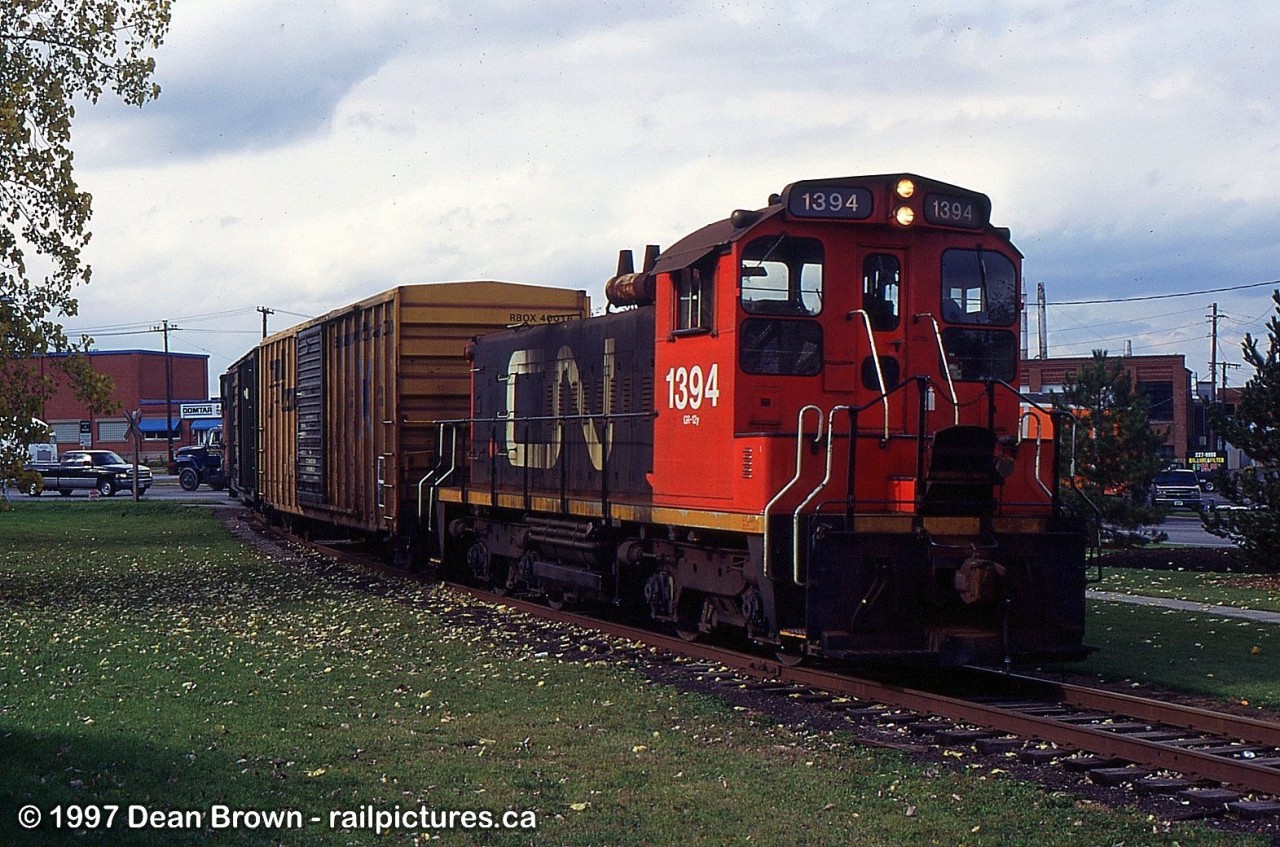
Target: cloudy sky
304, 155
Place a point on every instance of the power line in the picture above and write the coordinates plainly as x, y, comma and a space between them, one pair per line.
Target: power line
1164, 296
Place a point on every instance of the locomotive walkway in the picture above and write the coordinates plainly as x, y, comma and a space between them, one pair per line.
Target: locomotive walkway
1255, 615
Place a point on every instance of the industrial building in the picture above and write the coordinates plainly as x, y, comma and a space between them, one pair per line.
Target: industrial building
171, 392
1175, 411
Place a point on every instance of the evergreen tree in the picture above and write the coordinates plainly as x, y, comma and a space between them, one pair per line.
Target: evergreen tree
1115, 447
1255, 429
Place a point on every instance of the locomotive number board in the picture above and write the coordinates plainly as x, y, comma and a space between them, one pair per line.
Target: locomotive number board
962, 210
830, 201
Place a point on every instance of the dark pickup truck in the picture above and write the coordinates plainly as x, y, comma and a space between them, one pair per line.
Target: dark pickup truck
99, 470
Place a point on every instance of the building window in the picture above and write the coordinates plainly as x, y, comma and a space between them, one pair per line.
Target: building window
881, 282
782, 275
978, 287
66, 432
112, 430
1159, 400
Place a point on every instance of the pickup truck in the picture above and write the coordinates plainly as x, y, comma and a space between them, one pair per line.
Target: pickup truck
100, 470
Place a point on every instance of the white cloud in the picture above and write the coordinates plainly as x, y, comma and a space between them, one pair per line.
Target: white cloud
306, 155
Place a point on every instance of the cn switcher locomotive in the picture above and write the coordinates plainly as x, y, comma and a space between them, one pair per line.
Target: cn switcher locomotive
798, 423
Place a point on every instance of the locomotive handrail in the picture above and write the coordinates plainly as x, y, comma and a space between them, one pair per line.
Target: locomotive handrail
800, 438
875, 358
1055, 415
432, 472
946, 370
826, 479
438, 481
502, 417
795, 518
1039, 436
1075, 486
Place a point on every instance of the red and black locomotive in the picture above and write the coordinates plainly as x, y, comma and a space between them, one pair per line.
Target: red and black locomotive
798, 422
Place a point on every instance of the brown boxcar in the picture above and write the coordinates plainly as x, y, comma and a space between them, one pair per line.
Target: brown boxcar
348, 400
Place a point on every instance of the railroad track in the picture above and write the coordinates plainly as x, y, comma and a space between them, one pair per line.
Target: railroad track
1208, 760
1116, 738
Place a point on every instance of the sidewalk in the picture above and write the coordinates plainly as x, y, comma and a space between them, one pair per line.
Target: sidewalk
1186, 606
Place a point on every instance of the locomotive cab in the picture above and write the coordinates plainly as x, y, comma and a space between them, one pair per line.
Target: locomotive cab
840, 364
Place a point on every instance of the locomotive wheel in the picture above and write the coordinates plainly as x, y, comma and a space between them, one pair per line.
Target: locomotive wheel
692, 609
789, 658
557, 600
500, 576
686, 633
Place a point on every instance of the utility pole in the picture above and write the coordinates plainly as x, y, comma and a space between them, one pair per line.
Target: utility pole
265, 311
1213, 353
1225, 366
1213, 367
166, 327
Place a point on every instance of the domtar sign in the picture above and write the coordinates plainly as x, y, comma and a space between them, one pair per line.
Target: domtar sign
212, 409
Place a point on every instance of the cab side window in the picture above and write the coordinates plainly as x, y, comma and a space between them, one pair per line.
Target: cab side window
695, 296
782, 275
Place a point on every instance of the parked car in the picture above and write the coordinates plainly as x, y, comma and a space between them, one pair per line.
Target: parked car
1178, 488
100, 470
194, 465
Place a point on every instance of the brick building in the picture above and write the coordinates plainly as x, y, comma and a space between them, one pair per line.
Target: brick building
139, 377
1164, 379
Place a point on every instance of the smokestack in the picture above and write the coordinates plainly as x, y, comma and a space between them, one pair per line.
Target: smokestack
1025, 341
1042, 332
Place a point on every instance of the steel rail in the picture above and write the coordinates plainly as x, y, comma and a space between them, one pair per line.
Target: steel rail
1236, 727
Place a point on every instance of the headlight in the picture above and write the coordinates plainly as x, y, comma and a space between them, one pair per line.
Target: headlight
904, 215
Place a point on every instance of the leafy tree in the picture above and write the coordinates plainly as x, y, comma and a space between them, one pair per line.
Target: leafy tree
54, 54
1115, 447
1255, 429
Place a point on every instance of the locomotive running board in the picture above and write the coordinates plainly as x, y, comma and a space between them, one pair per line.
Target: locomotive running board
752, 524
622, 511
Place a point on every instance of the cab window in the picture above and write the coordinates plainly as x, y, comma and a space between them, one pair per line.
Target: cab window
694, 303
881, 282
978, 287
980, 354
780, 347
782, 275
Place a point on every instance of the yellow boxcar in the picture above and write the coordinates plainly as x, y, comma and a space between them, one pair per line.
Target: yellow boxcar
347, 401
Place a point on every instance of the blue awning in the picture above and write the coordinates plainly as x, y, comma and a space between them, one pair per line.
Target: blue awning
201, 424
156, 425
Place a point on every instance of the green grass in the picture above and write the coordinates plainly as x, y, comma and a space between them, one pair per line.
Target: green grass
1249, 591
147, 658
1224, 658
